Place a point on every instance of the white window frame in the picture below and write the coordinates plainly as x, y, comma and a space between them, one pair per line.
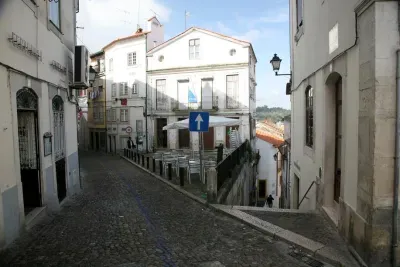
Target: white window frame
134, 89
233, 93
131, 59
111, 64
123, 115
54, 13
161, 98
113, 114
194, 44
114, 90
123, 89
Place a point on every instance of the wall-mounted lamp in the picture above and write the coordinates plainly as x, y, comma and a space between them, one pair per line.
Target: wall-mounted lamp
276, 65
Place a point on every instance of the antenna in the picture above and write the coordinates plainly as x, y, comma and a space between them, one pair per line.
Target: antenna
155, 14
138, 15
187, 14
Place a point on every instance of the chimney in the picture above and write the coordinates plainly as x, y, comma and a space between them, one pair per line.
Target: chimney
139, 30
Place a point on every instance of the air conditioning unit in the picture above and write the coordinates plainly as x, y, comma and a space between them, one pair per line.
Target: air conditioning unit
81, 67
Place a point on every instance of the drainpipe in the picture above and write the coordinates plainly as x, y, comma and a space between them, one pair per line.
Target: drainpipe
145, 104
396, 170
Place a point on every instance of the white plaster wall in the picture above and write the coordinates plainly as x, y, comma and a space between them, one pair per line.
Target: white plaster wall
156, 34
267, 167
213, 50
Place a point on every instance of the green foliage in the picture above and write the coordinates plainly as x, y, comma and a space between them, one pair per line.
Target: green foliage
273, 114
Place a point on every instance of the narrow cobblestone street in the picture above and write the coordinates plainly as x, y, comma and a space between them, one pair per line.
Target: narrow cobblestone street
127, 217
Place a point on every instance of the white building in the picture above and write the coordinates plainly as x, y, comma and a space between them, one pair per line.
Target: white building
343, 136
201, 70
126, 64
39, 160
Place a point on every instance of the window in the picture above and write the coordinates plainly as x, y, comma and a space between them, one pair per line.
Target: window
111, 64
207, 94
95, 110
194, 49
54, 13
101, 113
309, 117
123, 115
134, 88
161, 98
139, 127
109, 114
232, 52
114, 90
232, 91
102, 65
132, 59
299, 13
113, 114
123, 89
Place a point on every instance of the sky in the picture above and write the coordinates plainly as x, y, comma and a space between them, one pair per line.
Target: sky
265, 23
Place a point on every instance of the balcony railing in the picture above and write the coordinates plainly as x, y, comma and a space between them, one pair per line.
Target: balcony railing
207, 103
225, 167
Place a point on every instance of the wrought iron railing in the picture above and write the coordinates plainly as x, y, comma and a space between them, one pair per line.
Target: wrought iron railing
227, 165
206, 103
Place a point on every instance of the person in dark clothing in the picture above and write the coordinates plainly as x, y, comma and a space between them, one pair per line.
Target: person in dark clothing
270, 200
130, 143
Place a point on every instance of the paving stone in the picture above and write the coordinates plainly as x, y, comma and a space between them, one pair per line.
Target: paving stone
126, 217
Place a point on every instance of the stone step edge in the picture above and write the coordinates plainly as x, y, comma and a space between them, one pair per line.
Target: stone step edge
251, 208
316, 249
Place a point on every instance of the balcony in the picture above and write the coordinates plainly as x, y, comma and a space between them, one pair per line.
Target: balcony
207, 103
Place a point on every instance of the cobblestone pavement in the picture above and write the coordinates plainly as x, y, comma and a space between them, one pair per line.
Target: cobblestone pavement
126, 217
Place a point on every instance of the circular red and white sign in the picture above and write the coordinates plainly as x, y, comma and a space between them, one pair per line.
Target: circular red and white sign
128, 129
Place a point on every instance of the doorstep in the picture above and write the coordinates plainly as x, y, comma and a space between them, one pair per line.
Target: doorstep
35, 216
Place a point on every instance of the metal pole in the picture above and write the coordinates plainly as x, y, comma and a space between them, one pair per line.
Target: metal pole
201, 155
185, 20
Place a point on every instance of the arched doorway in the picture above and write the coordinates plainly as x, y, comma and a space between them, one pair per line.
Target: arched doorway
28, 138
59, 146
334, 139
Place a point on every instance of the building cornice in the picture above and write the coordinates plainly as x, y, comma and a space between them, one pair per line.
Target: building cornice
363, 5
200, 68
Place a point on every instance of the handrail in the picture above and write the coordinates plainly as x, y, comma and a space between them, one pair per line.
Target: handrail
298, 206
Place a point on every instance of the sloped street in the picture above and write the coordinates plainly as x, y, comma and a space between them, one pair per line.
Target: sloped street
126, 217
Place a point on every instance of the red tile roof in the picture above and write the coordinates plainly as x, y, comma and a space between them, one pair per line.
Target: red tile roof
270, 133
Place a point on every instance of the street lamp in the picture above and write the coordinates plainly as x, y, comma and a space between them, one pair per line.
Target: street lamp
276, 65
92, 75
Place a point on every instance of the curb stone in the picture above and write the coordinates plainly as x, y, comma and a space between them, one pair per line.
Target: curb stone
316, 249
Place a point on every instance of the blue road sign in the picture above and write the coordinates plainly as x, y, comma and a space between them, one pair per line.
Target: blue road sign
199, 121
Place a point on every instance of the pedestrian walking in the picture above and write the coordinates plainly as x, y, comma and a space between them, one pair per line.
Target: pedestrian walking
130, 143
270, 200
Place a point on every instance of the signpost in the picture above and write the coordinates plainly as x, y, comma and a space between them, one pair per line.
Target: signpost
199, 122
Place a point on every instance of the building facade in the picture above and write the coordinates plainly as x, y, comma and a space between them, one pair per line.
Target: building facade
343, 59
201, 70
39, 160
96, 101
125, 75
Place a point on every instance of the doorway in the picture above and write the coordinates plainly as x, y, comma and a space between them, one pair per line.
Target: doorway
109, 144
338, 140
59, 146
227, 133
296, 191
162, 137
97, 141
28, 134
184, 137
262, 189
208, 139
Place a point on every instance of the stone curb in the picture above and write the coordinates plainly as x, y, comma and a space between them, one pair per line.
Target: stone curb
250, 208
314, 248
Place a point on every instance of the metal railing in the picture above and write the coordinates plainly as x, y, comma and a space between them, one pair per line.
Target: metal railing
308, 190
206, 103
227, 165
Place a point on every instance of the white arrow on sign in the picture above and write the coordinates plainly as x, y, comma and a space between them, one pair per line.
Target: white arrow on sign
199, 120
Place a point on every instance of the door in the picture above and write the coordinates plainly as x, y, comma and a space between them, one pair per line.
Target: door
183, 94
91, 140
227, 133
338, 141
262, 186
207, 94
109, 144
296, 191
27, 110
59, 146
162, 137
184, 137
208, 139
97, 141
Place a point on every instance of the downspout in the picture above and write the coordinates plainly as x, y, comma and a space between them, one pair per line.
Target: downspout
396, 170
145, 104
397, 155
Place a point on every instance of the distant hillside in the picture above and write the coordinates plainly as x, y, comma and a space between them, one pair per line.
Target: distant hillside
273, 114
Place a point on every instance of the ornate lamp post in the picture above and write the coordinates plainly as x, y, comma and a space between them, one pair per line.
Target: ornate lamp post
276, 65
